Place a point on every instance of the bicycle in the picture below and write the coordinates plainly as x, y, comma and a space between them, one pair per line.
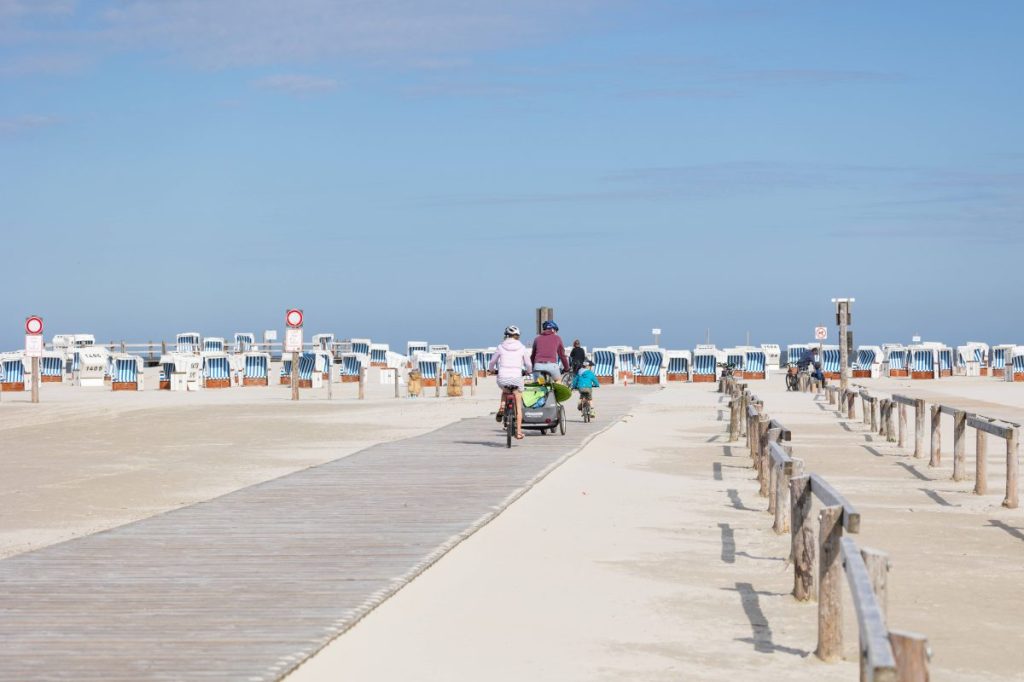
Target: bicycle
792, 377
585, 408
510, 416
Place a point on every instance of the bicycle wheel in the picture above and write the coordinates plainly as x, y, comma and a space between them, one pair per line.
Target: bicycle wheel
510, 423
561, 420
586, 411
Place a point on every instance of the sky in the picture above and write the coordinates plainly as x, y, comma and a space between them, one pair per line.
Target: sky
436, 169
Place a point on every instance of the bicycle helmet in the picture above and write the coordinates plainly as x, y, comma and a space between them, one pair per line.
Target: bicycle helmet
511, 330
549, 324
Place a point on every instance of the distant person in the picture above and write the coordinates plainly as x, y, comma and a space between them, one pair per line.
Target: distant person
809, 362
548, 353
577, 356
585, 382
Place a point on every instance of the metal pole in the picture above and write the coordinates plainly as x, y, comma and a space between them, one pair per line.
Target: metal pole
843, 308
330, 364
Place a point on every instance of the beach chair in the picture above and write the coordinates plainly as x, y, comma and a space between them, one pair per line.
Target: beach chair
678, 367
945, 356
895, 363
257, 369
324, 341
604, 365
361, 347
16, 374
772, 356
350, 366
188, 342
216, 370
625, 363
922, 362
483, 360
755, 364
999, 355
431, 368
464, 364
126, 372
705, 363
651, 365
441, 350
244, 342
1016, 365
830, 365
868, 362
51, 367
379, 354
91, 366
214, 344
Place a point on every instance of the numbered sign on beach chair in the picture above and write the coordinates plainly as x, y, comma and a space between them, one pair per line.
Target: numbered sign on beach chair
678, 368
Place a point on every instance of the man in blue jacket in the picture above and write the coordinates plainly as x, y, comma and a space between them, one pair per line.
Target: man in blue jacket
585, 382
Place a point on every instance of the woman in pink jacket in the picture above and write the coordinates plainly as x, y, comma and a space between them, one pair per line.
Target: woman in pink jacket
509, 361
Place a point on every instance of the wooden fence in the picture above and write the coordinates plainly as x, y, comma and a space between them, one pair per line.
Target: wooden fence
885, 655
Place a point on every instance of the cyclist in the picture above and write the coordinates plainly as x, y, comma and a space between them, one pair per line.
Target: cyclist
585, 382
577, 356
548, 353
509, 361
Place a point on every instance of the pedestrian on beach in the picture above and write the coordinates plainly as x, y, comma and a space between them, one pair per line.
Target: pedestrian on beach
548, 353
577, 356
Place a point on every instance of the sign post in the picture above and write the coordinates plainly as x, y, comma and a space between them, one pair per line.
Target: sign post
34, 349
656, 332
293, 344
843, 320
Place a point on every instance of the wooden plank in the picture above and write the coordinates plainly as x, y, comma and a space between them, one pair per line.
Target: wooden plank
802, 545
903, 400
876, 650
784, 433
912, 654
990, 426
830, 497
830, 603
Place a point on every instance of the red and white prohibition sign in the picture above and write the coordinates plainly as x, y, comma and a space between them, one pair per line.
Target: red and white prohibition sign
293, 318
34, 325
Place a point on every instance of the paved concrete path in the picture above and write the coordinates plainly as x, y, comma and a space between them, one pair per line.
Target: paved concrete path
246, 586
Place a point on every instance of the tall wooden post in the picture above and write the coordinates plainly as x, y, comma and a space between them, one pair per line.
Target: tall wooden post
902, 437
802, 538
874, 414
980, 465
762, 459
35, 379
330, 379
397, 370
1010, 501
830, 573
959, 444
295, 375
362, 382
843, 315
935, 456
918, 428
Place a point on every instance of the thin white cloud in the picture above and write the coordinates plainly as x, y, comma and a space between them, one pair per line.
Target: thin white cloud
297, 84
19, 124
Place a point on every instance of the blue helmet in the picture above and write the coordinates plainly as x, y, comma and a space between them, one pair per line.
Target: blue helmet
549, 324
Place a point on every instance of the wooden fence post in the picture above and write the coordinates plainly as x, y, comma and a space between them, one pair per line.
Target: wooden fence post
980, 465
877, 565
783, 508
935, 456
830, 573
890, 429
734, 416
911, 653
1010, 501
959, 444
362, 383
762, 454
901, 439
802, 538
919, 428
851, 406
874, 415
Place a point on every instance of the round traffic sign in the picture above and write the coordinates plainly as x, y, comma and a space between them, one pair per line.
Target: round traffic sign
33, 325
820, 333
293, 318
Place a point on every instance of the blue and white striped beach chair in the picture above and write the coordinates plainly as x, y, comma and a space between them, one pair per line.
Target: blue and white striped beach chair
755, 364
999, 355
650, 367
604, 365
188, 342
483, 360
216, 371
431, 368
922, 362
14, 373
379, 354
244, 342
625, 363
257, 369
1016, 364
213, 344
51, 367
350, 367
705, 363
945, 362
126, 373
830, 361
678, 368
361, 347
464, 363
896, 360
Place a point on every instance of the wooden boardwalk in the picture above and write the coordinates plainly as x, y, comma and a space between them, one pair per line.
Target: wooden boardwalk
246, 586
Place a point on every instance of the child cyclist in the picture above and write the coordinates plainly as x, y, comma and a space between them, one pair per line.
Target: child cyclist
585, 382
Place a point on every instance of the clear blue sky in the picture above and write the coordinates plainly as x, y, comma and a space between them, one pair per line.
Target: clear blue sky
436, 169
